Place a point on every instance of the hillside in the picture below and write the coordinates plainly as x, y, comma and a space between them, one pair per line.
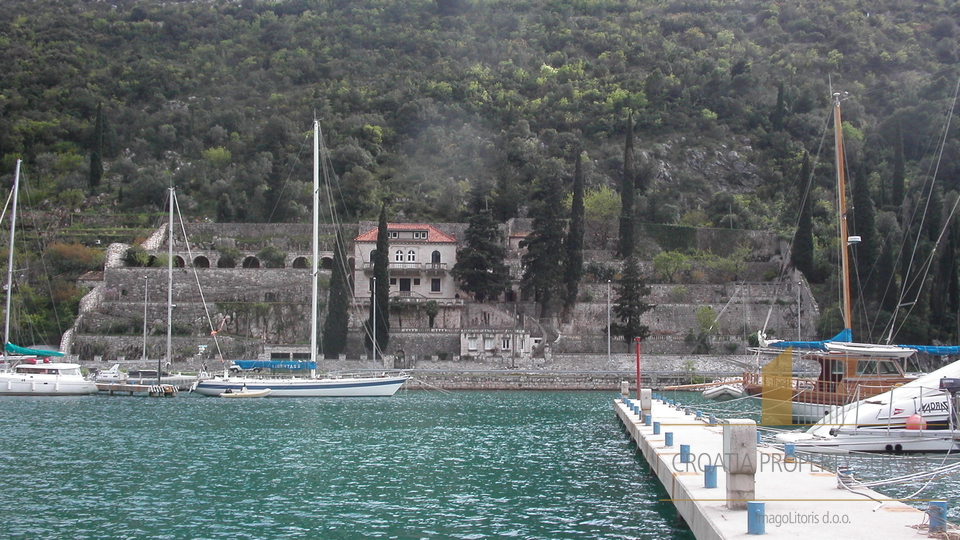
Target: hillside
422, 101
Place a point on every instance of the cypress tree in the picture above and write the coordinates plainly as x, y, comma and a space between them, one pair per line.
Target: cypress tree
96, 161
802, 254
573, 265
380, 301
898, 177
627, 185
335, 325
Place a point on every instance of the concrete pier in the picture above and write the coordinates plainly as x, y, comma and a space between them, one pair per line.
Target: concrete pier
787, 498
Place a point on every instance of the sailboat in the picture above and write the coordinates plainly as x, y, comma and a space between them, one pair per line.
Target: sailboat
862, 401
331, 386
850, 372
33, 373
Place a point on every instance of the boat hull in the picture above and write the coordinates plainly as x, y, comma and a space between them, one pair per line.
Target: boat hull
13, 384
893, 441
331, 387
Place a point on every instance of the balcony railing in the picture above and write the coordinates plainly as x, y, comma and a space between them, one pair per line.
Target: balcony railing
409, 267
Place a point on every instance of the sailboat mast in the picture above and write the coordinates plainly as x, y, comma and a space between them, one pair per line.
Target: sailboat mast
169, 286
13, 222
316, 246
842, 209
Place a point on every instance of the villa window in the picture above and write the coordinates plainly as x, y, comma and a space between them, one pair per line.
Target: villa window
411, 256
435, 285
505, 344
399, 256
471, 343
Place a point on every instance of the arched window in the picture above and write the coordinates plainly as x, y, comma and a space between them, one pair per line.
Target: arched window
435, 257
411, 256
201, 262
399, 256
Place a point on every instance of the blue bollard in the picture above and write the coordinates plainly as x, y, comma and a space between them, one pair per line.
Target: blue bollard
756, 524
789, 452
759, 435
647, 419
656, 428
699, 414
685, 456
713, 419
710, 476
938, 516
669, 438
687, 411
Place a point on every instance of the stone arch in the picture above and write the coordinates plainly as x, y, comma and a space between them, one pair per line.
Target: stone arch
201, 262
301, 262
178, 262
326, 263
251, 262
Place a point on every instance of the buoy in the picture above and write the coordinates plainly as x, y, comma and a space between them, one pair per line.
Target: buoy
915, 421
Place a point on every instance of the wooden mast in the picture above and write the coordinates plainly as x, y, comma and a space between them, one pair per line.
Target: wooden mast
842, 210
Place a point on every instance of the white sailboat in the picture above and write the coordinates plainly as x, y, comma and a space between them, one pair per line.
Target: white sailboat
32, 373
383, 385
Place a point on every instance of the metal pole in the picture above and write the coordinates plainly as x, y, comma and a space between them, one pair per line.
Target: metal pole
13, 222
799, 284
373, 318
637, 341
315, 269
146, 280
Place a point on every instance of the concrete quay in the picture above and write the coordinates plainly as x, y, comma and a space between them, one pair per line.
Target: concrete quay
758, 490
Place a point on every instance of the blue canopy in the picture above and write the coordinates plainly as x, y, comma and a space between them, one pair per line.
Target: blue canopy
845, 336
42, 353
275, 364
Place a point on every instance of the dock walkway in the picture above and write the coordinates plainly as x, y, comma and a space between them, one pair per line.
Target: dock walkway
800, 499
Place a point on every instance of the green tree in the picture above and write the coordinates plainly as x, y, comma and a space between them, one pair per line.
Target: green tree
335, 326
632, 291
573, 264
379, 321
543, 260
480, 267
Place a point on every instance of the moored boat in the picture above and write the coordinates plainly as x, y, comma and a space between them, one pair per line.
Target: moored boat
41, 377
245, 393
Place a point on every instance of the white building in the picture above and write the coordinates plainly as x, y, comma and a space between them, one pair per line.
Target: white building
421, 258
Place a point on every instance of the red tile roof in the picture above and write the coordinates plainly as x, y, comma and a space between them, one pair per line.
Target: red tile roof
433, 235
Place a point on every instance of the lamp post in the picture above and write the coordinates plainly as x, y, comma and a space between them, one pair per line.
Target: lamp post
637, 341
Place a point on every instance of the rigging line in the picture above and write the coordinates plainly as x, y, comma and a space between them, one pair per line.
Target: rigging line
294, 163
928, 264
42, 250
203, 301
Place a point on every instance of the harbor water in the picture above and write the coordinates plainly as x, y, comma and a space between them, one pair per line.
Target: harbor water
466, 465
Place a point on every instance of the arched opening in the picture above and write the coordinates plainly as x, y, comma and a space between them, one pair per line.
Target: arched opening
301, 262
435, 257
251, 262
178, 261
326, 263
226, 262
201, 262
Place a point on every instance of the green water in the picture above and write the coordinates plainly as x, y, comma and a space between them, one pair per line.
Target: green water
466, 465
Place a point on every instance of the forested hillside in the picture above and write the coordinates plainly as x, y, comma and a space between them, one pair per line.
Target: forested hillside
422, 101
